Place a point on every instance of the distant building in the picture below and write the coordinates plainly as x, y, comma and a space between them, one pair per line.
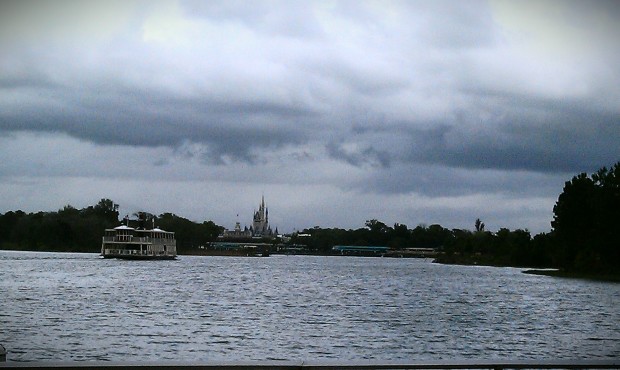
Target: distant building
237, 233
260, 226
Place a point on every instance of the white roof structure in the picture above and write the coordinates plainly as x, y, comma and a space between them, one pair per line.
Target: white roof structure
123, 227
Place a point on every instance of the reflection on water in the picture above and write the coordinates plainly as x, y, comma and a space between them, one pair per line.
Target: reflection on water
69, 307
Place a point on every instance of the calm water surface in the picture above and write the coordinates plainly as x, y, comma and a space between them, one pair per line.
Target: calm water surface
70, 307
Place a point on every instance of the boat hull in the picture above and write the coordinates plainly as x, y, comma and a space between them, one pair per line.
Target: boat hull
136, 257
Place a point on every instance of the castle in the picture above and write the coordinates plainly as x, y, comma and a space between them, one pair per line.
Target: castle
260, 226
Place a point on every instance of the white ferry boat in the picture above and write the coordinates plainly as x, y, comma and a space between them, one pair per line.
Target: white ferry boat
138, 243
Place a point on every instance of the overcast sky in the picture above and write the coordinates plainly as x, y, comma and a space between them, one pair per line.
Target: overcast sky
416, 112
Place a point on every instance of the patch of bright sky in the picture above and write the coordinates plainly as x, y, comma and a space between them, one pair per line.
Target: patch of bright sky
42, 21
554, 27
167, 24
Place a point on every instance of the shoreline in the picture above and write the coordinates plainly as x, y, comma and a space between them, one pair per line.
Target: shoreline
574, 275
552, 272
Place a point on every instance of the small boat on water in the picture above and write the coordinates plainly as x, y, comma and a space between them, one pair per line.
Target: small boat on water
139, 243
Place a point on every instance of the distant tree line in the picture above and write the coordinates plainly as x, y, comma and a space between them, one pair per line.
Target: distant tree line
503, 248
585, 234
80, 230
69, 229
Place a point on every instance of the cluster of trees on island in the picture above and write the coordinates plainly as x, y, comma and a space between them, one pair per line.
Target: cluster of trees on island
585, 234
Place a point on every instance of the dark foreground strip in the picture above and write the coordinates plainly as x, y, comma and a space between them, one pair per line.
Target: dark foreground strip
305, 365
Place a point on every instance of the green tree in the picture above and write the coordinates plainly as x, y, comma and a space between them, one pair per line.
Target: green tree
210, 231
479, 225
8, 223
400, 237
586, 222
189, 235
107, 210
378, 232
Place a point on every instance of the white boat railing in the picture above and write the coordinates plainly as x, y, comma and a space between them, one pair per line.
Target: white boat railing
137, 240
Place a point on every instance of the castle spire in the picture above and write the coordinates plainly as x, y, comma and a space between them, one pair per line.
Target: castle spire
261, 219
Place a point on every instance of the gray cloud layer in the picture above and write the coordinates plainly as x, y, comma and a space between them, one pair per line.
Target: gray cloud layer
390, 89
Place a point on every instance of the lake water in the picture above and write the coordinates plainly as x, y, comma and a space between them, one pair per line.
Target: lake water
75, 307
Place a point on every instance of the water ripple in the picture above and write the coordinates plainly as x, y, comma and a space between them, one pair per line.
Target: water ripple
77, 307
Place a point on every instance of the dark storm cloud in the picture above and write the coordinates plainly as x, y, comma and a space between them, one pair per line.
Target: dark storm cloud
373, 86
364, 156
120, 115
522, 134
572, 140
436, 181
501, 119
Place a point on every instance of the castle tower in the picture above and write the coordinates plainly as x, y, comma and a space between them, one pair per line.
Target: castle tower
260, 224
